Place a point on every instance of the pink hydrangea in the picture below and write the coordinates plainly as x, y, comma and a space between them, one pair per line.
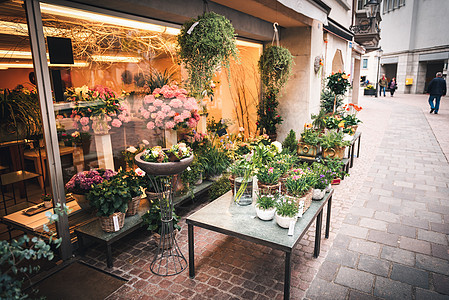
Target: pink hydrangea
171, 114
166, 109
153, 116
161, 115
156, 91
192, 123
150, 125
186, 114
178, 119
116, 123
149, 99
151, 109
146, 114
176, 103
169, 125
158, 102
84, 121
121, 117
85, 128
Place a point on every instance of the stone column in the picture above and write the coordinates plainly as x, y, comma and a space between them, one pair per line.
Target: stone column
356, 81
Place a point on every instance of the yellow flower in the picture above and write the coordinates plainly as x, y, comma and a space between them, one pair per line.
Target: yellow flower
341, 124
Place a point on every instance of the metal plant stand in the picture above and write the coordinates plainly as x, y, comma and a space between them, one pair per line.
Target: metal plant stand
164, 177
169, 259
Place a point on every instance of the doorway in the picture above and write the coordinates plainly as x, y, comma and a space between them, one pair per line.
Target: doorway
432, 68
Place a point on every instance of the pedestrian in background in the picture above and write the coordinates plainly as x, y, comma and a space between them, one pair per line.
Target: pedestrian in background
383, 83
436, 89
392, 86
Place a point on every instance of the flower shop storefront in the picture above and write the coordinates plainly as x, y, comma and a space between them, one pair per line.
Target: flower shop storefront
90, 88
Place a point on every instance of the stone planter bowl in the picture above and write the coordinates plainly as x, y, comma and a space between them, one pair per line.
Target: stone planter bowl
265, 214
163, 169
284, 222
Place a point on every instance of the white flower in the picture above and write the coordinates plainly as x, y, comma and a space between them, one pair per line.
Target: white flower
131, 149
82, 91
278, 146
241, 129
140, 172
145, 142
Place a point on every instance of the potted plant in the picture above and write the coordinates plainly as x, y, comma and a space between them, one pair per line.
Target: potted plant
287, 211
333, 144
338, 83
369, 90
110, 198
266, 205
350, 118
205, 44
299, 186
319, 189
275, 66
318, 120
290, 144
81, 183
336, 166
214, 160
268, 179
192, 176
322, 169
134, 183
308, 144
48, 200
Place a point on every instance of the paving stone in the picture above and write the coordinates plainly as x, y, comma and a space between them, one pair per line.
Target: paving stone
354, 231
322, 289
403, 230
390, 201
387, 216
422, 294
356, 295
433, 264
355, 279
351, 219
440, 251
402, 210
433, 237
398, 255
342, 257
366, 247
383, 238
409, 275
441, 283
415, 222
328, 270
443, 228
374, 265
362, 211
373, 224
341, 241
414, 245
391, 289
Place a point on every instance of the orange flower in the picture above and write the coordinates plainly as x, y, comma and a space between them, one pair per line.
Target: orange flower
341, 124
351, 104
345, 76
308, 126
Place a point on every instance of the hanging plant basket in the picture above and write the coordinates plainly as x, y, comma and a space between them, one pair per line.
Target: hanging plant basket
205, 44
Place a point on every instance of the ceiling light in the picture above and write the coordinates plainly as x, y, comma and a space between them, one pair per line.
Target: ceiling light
112, 58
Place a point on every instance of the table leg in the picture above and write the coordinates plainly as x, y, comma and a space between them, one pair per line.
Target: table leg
328, 217
352, 155
358, 146
191, 251
319, 220
287, 276
109, 255
81, 248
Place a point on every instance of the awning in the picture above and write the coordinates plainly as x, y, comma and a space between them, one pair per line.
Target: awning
434, 56
338, 30
389, 60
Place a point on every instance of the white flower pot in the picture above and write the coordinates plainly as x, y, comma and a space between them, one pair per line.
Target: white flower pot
265, 214
318, 194
284, 222
328, 188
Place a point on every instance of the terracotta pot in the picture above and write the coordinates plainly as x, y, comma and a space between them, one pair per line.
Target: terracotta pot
334, 152
307, 150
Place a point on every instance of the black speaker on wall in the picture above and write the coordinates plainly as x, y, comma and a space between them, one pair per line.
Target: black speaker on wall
60, 50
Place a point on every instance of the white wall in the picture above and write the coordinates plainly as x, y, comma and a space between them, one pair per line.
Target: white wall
432, 24
341, 11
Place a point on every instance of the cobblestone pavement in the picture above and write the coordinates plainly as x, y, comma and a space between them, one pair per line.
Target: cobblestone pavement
388, 232
393, 243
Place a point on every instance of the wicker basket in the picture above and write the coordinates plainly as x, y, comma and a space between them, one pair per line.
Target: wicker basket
232, 181
133, 206
307, 198
107, 223
269, 189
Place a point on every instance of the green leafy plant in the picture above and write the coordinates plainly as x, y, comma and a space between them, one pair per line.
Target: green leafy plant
14, 256
322, 169
335, 165
333, 139
158, 79
152, 219
318, 120
132, 181
287, 207
110, 196
269, 174
214, 160
192, 174
329, 99
219, 187
275, 66
310, 137
290, 144
266, 201
206, 43
285, 162
299, 182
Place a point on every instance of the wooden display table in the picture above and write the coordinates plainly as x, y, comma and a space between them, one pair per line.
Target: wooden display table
226, 217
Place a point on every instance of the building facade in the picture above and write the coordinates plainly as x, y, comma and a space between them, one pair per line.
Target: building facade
414, 41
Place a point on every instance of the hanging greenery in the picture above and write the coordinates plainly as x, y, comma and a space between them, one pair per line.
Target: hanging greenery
275, 66
205, 44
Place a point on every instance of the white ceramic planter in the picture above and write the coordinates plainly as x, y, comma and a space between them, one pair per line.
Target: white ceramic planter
284, 222
265, 214
318, 194
328, 188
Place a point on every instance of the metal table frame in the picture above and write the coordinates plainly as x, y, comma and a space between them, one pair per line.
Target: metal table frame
314, 212
357, 137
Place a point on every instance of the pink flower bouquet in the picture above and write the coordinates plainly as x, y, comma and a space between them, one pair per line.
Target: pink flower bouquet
170, 108
83, 182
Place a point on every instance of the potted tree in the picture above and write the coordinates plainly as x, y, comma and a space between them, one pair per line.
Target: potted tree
333, 144
266, 206
287, 211
110, 198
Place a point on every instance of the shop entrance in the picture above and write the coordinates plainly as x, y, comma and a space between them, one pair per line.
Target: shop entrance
432, 68
390, 70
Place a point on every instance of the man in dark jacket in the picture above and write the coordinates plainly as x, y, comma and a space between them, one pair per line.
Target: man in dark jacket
436, 89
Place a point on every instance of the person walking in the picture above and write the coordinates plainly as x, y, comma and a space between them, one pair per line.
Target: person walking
392, 86
383, 83
436, 89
